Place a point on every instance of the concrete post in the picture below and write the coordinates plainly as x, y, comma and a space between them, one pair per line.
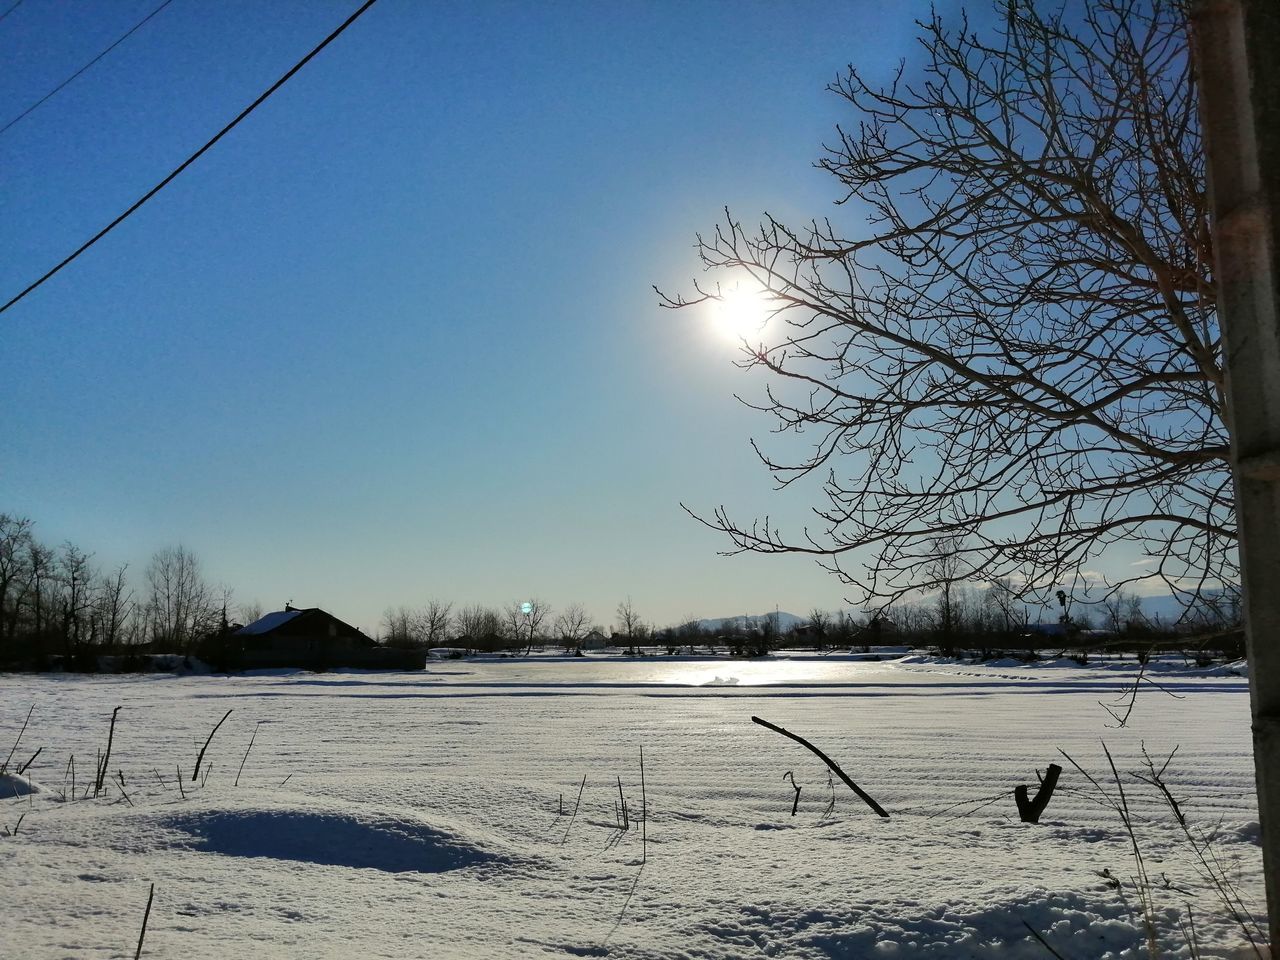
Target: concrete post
1236, 46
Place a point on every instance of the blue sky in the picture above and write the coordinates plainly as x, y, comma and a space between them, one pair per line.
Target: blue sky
394, 337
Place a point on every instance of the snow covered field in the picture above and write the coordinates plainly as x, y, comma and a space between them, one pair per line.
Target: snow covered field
418, 815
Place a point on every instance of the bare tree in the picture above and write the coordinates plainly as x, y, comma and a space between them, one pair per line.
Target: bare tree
249, 611
1001, 599
629, 623
181, 607
1022, 346
400, 627
15, 574
75, 577
479, 626
434, 621
523, 620
571, 626
113, 608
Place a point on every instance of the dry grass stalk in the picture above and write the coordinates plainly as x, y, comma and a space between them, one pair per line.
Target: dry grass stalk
145, 917
574, 816
195, 774
104, 760
246, 754
5, 766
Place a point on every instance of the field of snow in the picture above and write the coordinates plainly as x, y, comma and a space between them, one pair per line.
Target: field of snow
420, 815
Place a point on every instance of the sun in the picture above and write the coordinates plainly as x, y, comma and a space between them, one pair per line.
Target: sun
741, 311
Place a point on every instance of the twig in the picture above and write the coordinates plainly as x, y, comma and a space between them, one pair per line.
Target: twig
199, 757
575, 810
246, 754
285, 780
159, 778
981, 803
5, 766
862, 794
145, 917
180, 790
23, 769
796, 802
121, 785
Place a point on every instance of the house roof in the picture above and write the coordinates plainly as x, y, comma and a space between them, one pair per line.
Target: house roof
268, 623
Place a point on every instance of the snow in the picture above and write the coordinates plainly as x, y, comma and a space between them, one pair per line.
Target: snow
430, 814
268, 622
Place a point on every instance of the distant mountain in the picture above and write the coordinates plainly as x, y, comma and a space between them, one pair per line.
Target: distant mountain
786, 622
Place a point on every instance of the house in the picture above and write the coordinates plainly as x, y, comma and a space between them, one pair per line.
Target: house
595, 640
313, 639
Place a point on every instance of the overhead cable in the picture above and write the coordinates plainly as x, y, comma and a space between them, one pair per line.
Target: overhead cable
195, 156
11, 9
119, 41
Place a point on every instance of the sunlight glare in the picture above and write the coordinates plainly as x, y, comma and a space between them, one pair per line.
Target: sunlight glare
741, 312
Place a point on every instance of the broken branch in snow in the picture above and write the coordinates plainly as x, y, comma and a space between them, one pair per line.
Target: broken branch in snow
866, 798
796, 802
1029, 810
22, 769
196, 772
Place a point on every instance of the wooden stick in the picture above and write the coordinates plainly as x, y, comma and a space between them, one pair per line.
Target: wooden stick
195, 774
146, 916
862, 794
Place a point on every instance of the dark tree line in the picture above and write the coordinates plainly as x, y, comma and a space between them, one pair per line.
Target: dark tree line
56, 602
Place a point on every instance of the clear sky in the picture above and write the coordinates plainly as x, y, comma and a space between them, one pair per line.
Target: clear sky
394, 337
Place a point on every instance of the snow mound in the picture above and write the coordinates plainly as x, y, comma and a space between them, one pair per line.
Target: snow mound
393, 844
13, 785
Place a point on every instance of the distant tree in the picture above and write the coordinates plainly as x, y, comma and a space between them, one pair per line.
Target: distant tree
1006, 609
15, 575
819, 620
182, 607
571, 626
434, 619
629, 623
249, 611
400, 628
945, 568
480, 626
114, 609
1021, 346
75, 576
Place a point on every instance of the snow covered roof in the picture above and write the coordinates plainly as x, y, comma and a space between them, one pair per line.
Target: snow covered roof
269, 622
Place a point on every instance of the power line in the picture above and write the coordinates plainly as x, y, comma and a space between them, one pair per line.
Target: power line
195, 156
11, 9
82, 69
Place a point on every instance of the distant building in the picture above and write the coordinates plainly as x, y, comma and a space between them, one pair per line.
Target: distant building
315, 640
595, 640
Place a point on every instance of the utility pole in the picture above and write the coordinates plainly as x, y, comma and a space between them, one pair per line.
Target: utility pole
1235, 45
